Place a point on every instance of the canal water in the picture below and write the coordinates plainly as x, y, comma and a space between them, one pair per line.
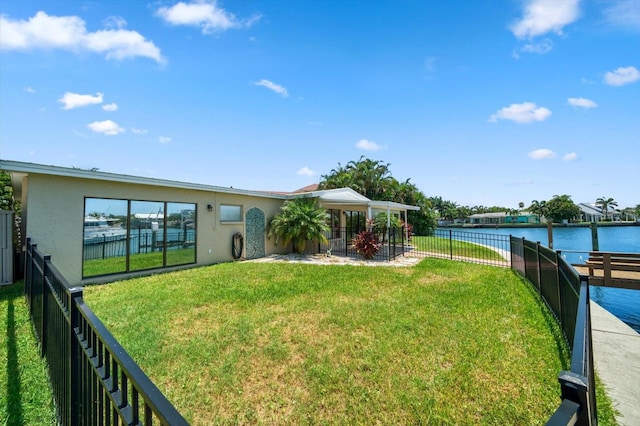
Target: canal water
623, 303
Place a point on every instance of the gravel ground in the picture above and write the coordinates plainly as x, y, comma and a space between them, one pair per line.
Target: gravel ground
321, 259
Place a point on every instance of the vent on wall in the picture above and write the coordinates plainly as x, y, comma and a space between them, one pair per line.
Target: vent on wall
6, 247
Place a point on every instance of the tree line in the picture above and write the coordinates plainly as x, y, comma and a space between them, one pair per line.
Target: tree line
374, 180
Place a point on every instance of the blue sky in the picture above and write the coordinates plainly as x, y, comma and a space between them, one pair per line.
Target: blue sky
481, 102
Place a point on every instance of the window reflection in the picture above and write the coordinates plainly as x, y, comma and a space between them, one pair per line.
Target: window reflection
147, 235
105, 236
181, 233
124, 235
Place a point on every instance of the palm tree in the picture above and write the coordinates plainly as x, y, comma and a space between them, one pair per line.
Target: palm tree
605, 203
300, 220
538, 208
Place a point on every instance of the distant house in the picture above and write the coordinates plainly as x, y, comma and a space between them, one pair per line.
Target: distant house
145, 224
488, 218
589, 212
498, 218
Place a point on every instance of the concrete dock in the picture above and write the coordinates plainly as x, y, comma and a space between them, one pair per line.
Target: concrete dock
616, 354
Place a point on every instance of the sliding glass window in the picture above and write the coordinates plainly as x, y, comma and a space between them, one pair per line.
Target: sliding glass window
130, 235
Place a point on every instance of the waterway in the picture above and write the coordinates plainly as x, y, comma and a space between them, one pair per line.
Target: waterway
623, 303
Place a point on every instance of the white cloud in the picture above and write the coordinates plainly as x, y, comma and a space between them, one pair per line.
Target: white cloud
305, 171
622, 76
544, 16
541, 48
542, 154
582, 102
110, 107
272, 86
106, 127
69, 33
139, 131
74, 100
525, 112
115, 22
206, 15
164, 139
623, 13
29, 89
367, 145
572, 156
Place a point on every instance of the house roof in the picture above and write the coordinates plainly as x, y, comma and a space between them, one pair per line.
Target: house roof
19, 169
349, 196
488, 215
590, 209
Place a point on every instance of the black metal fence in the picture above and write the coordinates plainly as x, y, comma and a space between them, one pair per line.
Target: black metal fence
567, 295
94, 380
340, 243
489, 249
474, 247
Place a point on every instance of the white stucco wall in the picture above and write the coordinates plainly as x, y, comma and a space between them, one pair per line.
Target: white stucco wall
54, 213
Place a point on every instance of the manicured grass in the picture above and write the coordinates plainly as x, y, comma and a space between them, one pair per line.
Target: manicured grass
454, 247
442, 342
25, 394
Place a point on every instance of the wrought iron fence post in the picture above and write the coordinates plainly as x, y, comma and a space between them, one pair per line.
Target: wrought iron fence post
450, 244
74, 359
538, 268
524, 258
560, 312
44, 292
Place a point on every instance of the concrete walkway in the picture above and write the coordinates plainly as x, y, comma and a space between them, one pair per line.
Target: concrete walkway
616, 355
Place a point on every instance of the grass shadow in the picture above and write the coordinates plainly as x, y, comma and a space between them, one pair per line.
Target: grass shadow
13, 389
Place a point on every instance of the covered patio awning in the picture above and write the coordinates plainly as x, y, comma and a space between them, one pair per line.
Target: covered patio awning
348, 198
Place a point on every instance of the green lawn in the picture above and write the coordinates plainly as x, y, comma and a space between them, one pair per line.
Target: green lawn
456, 248
25, 394
442, 342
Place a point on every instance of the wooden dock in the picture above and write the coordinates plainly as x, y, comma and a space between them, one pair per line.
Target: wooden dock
620, 270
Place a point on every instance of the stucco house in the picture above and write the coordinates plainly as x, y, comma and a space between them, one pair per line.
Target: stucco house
99, 226
497, 218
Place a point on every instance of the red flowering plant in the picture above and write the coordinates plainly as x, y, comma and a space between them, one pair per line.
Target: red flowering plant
367, 243
408, 228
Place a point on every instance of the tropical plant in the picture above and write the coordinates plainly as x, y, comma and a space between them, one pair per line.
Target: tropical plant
373, 179
300, 220
538, 208
605, 204
463, 213
8, 202
408, 228
561, 207
6, 191
380, 224
367, 244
